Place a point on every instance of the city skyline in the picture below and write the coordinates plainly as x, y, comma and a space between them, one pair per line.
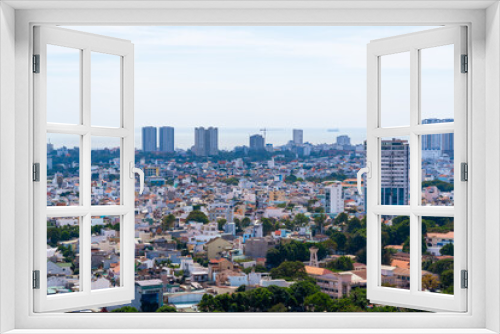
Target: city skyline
264, 75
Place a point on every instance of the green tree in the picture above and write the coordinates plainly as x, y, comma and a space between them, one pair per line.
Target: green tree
289, 270
197, 216
300, 220
447, 249
318, 302
302, 290
168, 222
341, 218
430, 282
125, 309
320, 222
221, 223
447, 280
267, 226
343, 263
166, 308
353, 225
278, 308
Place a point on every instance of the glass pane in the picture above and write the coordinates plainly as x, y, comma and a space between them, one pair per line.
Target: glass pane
63, 255
105, 170
63, 169
437, 254
105, 89
395, 171
437, 84
63, 85
395, 252
438, 169
395, 89
105, 252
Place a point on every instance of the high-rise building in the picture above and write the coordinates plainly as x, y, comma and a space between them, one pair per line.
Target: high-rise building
334, 200
395, 168
343, 140
206, 141
443, 142
257, 143
298, 136
149, 139
167, 139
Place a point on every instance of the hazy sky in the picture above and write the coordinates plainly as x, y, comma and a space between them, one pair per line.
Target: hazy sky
253, 76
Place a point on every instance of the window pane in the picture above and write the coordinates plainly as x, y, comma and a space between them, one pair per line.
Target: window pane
105, 89
105, 171
63, 255
63, 85
438, 169
395, 252
63, 169
437, 84
105, 252
437, 254
395, 89
394, 171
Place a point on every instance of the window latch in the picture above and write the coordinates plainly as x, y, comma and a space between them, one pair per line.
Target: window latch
36, 279
368, 171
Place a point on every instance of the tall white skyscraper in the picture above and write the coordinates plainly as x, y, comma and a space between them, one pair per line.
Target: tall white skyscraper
206, 141
334, 199
298, 136
167, 139
149, 139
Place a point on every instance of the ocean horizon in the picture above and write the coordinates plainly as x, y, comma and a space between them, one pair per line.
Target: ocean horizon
229, 138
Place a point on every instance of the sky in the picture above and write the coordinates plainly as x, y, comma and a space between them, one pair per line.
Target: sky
249, 77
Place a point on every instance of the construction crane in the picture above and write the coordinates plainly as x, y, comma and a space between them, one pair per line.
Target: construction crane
264, 131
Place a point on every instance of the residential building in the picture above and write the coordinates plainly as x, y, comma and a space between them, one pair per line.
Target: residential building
149, 139
217, 247
343, 140
167, 139
148, 295
257, 143
336, 285
298, 137
395, 168
436, 241
443, 142
334, 200
206, 141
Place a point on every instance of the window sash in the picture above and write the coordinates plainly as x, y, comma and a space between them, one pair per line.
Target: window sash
413, 298
85, 297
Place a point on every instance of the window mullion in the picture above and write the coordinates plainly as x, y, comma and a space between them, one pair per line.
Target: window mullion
414, 168
85, 183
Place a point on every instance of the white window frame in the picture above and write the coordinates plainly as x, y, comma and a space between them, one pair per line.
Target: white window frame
413, 44
86, 44
483, 20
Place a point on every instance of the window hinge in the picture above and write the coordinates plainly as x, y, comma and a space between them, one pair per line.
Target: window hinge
36, 279
465, 279
36, 63
465, 64
464, 171
36, 172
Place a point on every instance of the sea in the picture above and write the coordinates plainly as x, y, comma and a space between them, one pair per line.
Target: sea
229, 138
